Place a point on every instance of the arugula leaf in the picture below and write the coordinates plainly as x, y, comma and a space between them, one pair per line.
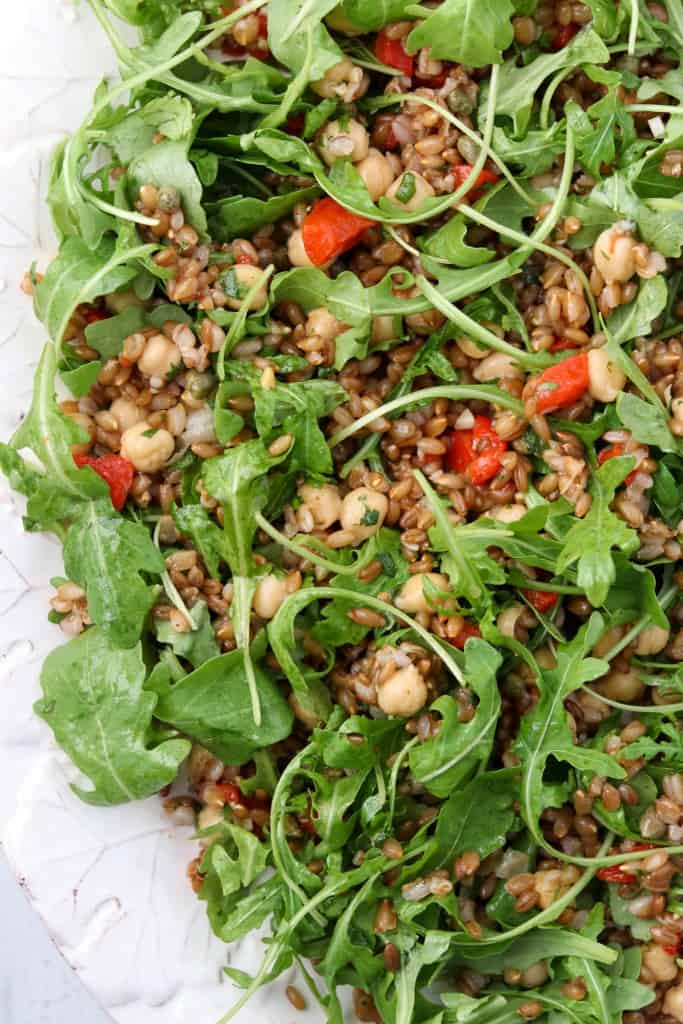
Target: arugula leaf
194, 522
199, 644
635, 319
167, 163
213, 705
95, 704
473, 32
448, 242
443, 762
238, 871
107, 336
169, 115
590, 541
107, 554
534, 153
289, 23
240, 216
649, 423
477, 816
372, 17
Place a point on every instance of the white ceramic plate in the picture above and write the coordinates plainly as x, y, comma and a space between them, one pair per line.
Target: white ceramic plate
108, 883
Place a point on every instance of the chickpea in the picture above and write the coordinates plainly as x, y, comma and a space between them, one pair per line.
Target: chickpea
659, 962
652, 640
377, 173
269, 595
363, 511
404, 693
349, 141
625, 687
321, 323
324, 502
507, 513
613, 253
497, 366
296, 250
386, 328
117, 302
673, 1002
126, 413
605, 378
146, 448
87, 424
246, 277
412, 597
160, 356
414, 187
507, 620
343, 80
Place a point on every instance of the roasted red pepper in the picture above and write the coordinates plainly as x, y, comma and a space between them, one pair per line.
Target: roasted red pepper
562, 384
116, 472
617, 873
611, 453
461, 173
563, 345
564, 36
330, 230
91, 314
477, 452
393, 53
542, 600
468, 630
231, 48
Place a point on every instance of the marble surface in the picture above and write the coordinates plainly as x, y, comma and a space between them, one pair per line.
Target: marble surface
109, 884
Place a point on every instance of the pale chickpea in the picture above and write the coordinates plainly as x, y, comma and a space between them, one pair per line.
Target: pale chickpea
343, 80
126, 413
625, 687
386, 328
377, 173
148, 449
673, 1002
324, 503
413, 187
507, 619
86, 424
160, 356
404, 693
605, 378
497, 366
321, 323
347, 141
246, 277
652, 640
296, 250
507, 513
117, 302
363, 511
268, 596
661, 964
613, 253
412, 597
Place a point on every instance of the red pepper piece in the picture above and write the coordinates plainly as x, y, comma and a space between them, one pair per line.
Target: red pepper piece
477, 451
92, 314
330, 230
461, 173
256, 49
564, 36
674, 948
468, 630
616, 873
562, 384
230, 792
295, 124
563, 345
116, 472
542, 600
611, 453
393, 53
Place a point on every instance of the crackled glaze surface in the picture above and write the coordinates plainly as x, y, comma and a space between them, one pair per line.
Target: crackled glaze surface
109, 883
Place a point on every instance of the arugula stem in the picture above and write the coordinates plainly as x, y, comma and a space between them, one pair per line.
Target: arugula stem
170, 587
652, 108
633, 27
455, 392
116, 211
544, 113
238, 324
240, 614
300, 549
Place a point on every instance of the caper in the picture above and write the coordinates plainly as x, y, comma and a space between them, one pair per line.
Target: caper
199, 384
459, 102
169, 199
468, 149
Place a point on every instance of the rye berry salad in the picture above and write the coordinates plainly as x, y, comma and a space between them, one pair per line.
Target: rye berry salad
370, 489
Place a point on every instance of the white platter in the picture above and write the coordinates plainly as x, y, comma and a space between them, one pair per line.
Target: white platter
109, 884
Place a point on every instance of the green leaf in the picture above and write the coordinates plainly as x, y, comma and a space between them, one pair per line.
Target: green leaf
290, 22
169, 115
107, 336
81, 379
473, 32
636, 318
107, 554
477, 816
443, 762
241, 216
238, 915
194, 522
648, 423
199, 644
534, 153
168, 164
449, 243
95, 704
376, 15
213, 706
240, 870
591, 540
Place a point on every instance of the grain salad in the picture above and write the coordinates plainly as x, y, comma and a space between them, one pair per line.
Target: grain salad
370, 488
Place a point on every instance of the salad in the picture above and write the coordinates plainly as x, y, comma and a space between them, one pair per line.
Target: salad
370, 486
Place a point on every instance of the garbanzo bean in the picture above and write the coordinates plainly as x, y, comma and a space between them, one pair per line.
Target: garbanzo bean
126, 413
404, 693
324, 502
409, 191
160, 356
296, 250
269, 595
605, 379
363, 511
613, 253
148, 449
377, 173
412, 597
343, 141
247, 276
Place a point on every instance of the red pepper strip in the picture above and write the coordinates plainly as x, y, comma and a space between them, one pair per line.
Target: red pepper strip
92, 314
468, 630
542, 600
563, 345
233, 49
616, 873
295, 124
230, 792
116, 472
477, 451
564, 35
673, 949
611, 453
562, 384
461, 173
329, 230
393, 53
